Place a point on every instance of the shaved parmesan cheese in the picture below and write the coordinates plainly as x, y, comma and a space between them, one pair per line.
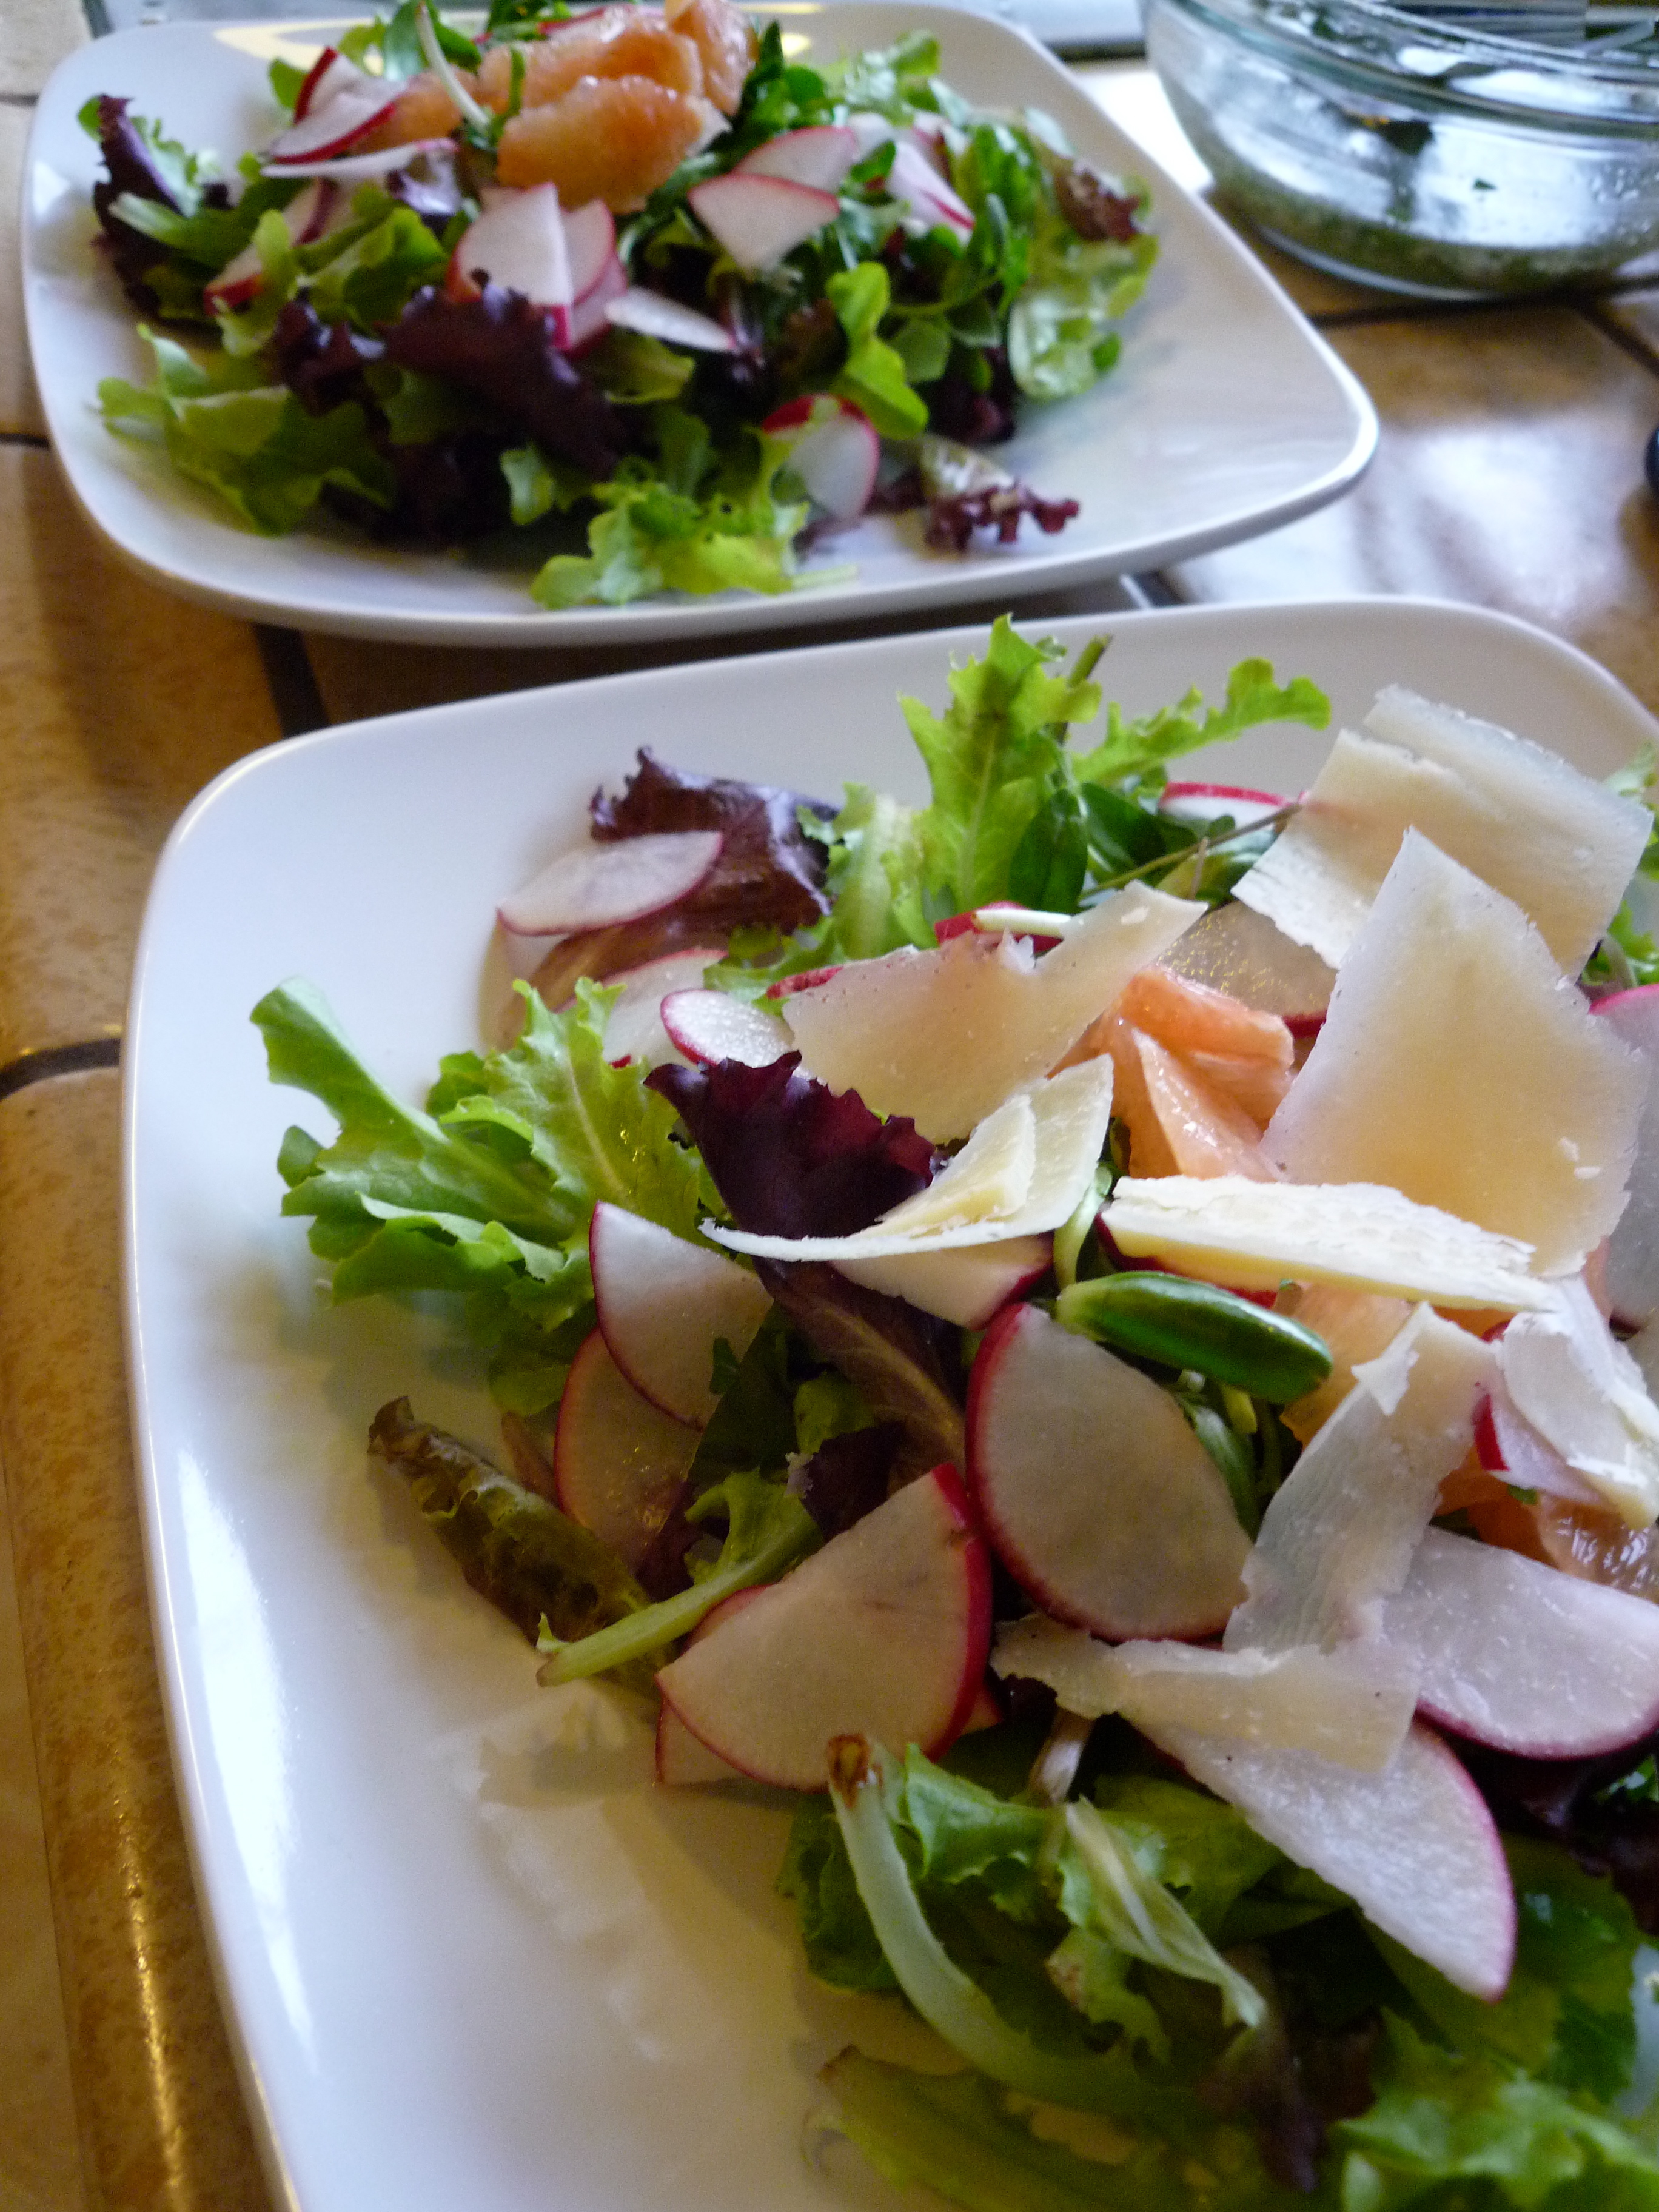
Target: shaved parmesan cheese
1585, 1395
1559, 844
1240, 953
945, 1036
989, 1179
1458, 1066
1352, 1705
1068, 1115
1338, 1535
1255, 1236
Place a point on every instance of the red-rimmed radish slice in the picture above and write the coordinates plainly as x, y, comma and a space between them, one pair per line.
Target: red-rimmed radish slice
1507, 1444
588, 317
664, 1303
883, 1633
242, 276
655, 316
710, 1026
1096, 1495
760, 219
913, 180
520, 242
594, 886
1203, 802
617, 1460
361, 168
1519, 1655
682, 1761
633, 1028
590, 233
835, 451
1633, 1277
1414, 1846
970, 1286
821, 155
333, 128
329, 74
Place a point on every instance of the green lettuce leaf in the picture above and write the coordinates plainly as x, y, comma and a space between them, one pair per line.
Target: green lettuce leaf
1449, 2130
1136, 751
489, 1193
873, 375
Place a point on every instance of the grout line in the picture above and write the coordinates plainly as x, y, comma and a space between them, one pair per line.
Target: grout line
1155, 589
291, 680
30, 439
97, 15
18, 99
31, 1067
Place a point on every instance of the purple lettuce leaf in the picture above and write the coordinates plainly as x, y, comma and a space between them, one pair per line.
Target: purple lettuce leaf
1575, 1802
907, 1364
848, 1476
770, 873
789, 1157
501, 349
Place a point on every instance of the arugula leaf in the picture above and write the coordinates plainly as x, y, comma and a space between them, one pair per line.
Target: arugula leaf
873, 376
990, 759
1134, 752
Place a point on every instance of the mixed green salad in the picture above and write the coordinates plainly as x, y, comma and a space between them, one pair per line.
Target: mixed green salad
635, 283
1157, 1935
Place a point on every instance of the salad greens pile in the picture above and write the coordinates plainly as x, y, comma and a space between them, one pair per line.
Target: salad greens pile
1166, 2013
347, 378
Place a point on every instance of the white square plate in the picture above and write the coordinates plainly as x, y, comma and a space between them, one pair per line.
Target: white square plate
473, 1955
1226, 414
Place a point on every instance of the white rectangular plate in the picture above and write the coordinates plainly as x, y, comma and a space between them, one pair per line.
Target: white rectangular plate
473, 1955
1226, 414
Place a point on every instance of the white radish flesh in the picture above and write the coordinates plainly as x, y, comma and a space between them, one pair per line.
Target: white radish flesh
1519, 1655
663, 1304
968, 1286
617, 1460
882, 1633
655, 316
596, 885
758, 220
633, 1028
1096, 1493
710, 1026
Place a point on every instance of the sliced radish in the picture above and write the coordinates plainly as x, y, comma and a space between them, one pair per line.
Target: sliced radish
655, 316
1633, 1249
710, 1026
334, 128
1202, 802
835, 451
1519, 1655
330, 75
590, 237
594, 886
884, 1632
617, 1460
244, 274
1509, 1446
364, 168
663, 1306
760, 219
589, 317
913, 180
970, 1286
633, 1028
1586, 1397
1414, 1846
821, 155
682, 1761
522, 242
1097, 1496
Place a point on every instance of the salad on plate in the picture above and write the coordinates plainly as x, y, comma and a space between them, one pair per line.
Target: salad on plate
634, 290
1098, 1332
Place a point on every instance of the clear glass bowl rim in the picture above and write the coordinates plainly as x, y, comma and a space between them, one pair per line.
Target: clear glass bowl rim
1536, 86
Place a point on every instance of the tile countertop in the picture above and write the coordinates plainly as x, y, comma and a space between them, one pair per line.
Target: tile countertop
1509, 475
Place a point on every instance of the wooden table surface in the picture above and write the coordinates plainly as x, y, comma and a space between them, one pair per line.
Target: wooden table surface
1509, 475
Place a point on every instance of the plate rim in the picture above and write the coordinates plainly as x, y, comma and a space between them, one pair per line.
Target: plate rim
1050, 567
188, 1737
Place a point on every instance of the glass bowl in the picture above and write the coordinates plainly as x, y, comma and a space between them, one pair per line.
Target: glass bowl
1413, 153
